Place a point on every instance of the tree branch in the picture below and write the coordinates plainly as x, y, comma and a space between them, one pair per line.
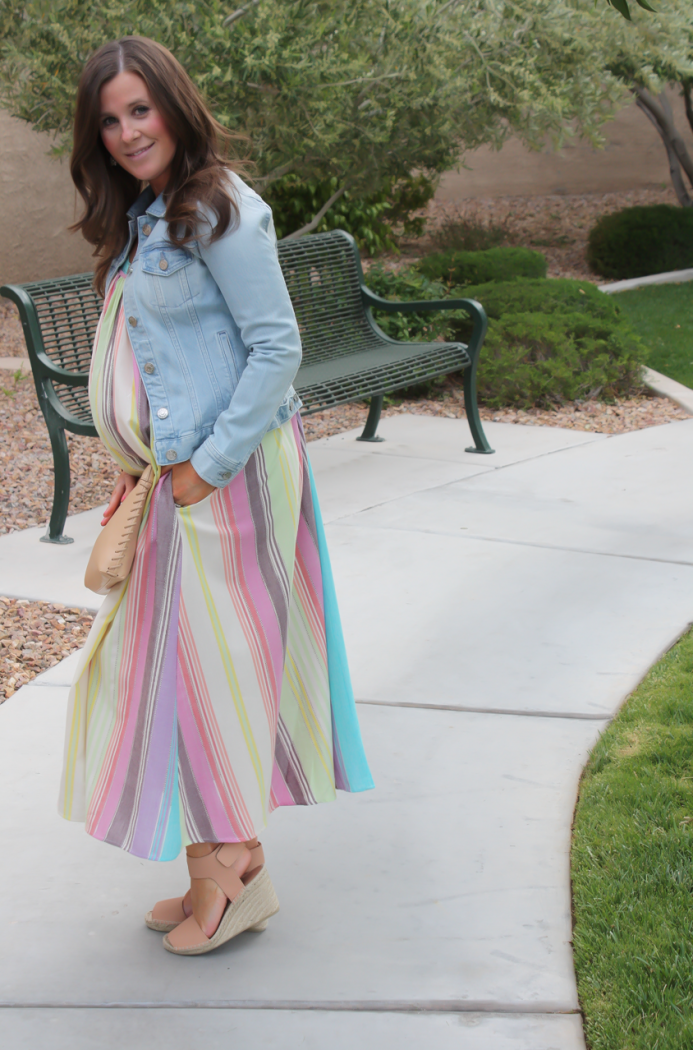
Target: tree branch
674, 165
264, 180
315, 221
363, 80
239, 13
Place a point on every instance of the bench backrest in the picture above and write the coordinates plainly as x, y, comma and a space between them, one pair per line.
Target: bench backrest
323, 275
68, 311
322, 271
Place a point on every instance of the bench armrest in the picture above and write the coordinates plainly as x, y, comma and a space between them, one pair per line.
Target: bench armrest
469, 306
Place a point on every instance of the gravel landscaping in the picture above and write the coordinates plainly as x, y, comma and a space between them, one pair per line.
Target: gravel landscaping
35, 636
556, 225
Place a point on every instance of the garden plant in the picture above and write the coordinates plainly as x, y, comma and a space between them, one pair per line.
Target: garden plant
639, 241
493, 264
548, 341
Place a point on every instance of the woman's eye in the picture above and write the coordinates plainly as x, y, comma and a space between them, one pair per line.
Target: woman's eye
141, 111
108, 121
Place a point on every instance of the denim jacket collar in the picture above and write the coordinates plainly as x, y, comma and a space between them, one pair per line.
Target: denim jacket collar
147, 204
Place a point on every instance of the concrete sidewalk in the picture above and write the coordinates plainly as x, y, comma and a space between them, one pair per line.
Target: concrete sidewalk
497, 610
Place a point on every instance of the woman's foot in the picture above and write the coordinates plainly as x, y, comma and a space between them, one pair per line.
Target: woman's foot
208, 901
228, 896
167, 914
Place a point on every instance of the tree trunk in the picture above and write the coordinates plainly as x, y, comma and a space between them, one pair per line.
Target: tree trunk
659, 113
674, 165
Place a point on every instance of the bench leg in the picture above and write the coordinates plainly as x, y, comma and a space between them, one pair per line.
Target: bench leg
472, 409
61, 488
369, 431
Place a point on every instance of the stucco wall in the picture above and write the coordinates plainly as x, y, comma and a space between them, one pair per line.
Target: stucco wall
37, 200
37, 204
634, 158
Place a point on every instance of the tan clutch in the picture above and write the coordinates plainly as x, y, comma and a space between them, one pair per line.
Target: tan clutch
114, 551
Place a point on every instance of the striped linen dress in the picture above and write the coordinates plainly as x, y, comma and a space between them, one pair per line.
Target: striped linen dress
213, 686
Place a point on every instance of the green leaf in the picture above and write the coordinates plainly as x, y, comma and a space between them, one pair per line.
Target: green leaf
622, 7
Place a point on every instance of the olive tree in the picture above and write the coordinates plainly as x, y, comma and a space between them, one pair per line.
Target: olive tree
646, 55
359, 92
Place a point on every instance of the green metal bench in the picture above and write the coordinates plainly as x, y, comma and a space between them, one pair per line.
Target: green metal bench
346, 357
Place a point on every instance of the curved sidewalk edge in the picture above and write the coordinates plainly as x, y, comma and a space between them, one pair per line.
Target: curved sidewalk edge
666, 387
669, 277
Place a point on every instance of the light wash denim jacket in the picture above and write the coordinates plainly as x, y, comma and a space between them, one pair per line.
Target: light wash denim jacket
214, 335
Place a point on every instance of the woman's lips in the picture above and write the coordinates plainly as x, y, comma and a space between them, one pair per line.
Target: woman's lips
139, 153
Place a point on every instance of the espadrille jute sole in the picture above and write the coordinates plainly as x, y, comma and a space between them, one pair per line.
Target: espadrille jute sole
257, 903
166, 927
159, 927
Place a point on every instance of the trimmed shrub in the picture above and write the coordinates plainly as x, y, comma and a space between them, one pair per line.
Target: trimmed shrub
548, 341
559, 295
495, 264
636, 242
535, 359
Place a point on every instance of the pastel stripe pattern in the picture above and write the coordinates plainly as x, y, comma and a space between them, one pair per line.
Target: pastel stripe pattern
213, 686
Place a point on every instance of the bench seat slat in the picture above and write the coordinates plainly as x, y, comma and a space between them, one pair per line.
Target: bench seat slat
325, 384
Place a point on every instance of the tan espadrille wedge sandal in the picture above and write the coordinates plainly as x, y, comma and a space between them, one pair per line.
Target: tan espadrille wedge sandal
166, 915
248, 905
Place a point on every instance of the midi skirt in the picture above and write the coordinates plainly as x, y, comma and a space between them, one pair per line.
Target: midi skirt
213, 686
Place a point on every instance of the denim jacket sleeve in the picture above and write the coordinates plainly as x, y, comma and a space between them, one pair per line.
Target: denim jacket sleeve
245, 266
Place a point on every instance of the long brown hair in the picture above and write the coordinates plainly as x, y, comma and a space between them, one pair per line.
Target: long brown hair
198, 170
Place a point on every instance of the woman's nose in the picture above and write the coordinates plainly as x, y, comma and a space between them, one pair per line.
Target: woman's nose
128, 132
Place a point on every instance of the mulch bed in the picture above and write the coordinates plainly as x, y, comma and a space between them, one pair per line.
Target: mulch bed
35, 636
556, 225
634, 413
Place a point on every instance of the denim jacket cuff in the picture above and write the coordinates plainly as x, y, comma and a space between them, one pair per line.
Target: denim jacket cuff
211, 467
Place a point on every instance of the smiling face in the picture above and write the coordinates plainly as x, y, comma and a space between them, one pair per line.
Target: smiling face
134, 131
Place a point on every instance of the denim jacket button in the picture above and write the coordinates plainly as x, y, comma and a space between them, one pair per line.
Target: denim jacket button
163, 265
146, 229
226, 475
132, 321
149, 368
171, 454
162, 413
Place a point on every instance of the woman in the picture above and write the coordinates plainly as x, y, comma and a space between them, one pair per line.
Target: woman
213, 686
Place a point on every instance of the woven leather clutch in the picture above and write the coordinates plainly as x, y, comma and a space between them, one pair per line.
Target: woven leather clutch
114, 551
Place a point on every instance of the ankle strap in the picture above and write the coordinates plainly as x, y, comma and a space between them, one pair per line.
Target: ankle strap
257, 858
225, 866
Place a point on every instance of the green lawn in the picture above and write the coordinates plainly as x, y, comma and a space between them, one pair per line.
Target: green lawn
662, 315
632, 868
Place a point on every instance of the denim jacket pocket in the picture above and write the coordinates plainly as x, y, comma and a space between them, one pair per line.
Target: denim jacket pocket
170, 274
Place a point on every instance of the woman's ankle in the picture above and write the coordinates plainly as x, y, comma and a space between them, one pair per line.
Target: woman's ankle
201, 849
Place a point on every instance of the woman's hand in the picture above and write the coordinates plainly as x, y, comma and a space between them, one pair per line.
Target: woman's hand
123, 487
188, 487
